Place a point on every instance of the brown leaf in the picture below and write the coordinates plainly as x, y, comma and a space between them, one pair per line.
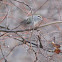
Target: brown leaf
57, 50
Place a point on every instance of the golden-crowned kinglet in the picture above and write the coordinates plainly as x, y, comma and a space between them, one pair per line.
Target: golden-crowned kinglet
32, 20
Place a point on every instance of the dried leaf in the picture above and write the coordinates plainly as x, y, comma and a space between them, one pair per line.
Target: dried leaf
57, 50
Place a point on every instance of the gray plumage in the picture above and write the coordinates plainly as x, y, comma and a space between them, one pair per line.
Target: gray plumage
32, 21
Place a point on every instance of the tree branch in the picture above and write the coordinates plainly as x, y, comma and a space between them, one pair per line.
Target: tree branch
35, 28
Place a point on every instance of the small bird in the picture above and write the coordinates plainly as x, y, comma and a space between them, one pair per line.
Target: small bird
33, 21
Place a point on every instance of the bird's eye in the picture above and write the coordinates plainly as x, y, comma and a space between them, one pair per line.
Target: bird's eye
38, 16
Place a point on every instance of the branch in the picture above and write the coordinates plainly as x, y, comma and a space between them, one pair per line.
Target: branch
41, 46
41, 6
3, 54
24, 41
22, 3
35, 28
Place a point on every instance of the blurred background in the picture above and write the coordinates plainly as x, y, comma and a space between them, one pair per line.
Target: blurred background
24, 46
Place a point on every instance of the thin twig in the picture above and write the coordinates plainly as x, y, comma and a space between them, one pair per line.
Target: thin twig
35, 28
24, 41
41, 6
41, 46
3, 20
3, 54
22, 3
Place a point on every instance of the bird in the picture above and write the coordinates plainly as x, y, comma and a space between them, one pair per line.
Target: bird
33, 21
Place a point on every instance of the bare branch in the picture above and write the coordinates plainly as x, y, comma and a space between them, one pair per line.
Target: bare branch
41, 46
3, 54
35, 28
